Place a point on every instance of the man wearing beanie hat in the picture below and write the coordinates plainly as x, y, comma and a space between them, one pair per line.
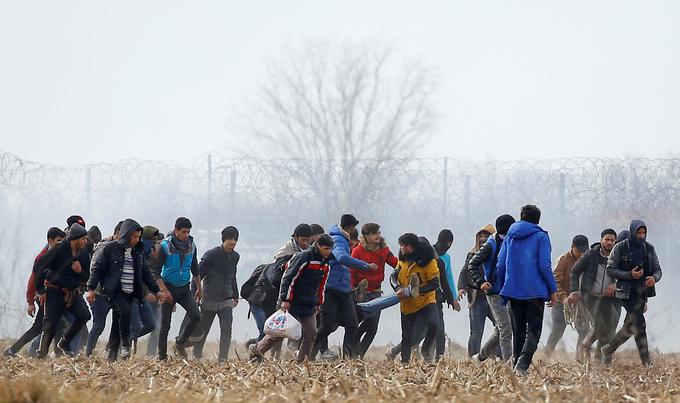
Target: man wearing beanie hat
591, 284
220, 291
562, 273
75, 219
526, 283
482, 272
58, 275
178, 262
299, 241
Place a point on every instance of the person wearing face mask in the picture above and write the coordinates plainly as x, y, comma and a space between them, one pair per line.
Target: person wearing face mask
478, 308
482, 268
591, 284
635, 266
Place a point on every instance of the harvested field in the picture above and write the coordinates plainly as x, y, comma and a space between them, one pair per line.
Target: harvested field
85, 380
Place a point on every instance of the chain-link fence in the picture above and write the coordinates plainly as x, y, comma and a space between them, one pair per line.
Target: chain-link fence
267, 198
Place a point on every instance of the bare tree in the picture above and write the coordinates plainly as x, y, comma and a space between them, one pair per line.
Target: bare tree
346, 107
346, 101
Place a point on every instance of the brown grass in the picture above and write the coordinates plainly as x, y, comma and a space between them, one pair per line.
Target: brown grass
85, 380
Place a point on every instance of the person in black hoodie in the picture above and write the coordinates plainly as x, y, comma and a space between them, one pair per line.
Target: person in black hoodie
635, 266
119, 268
58, 275
301, 294
220, 291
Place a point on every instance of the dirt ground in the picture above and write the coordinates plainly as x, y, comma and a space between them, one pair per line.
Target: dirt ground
375, 379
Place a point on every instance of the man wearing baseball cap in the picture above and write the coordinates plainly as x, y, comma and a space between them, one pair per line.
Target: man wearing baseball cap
562, 272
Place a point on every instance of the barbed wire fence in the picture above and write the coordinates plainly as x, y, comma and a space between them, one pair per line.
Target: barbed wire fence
267, 198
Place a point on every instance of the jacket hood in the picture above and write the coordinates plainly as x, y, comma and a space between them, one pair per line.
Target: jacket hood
635, 225
336, 230
523, 229
478, 242
149, 231
362, 241
126, 229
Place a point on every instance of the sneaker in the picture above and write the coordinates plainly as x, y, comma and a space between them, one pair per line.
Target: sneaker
477, 358
65, 348
8, 352
520, 372
124, 352
254, 354
361, 290
328, 355
180, 351
607, 355
414, 286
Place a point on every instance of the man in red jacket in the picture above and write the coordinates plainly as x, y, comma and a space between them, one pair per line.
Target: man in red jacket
54, 236
371, 249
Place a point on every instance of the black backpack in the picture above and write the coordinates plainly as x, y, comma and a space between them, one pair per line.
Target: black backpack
248, 287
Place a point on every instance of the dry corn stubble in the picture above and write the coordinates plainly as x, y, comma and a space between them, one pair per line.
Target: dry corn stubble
88, 380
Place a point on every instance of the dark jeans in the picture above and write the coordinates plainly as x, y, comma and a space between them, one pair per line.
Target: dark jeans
368, 328
120, 328
559, 325
479, 313
260, 316
605, 313
55, 307
527, 324
30, 334
633, 325
142, 320
152, 346
100, 310
337, 310
185, 298
428, 318
207, 317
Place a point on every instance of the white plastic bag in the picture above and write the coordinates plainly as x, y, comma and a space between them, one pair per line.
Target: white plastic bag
283, 324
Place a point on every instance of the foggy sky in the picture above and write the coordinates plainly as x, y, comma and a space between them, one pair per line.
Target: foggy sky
103, 81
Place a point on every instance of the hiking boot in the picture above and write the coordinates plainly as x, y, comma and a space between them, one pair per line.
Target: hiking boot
328, 355
607, 354
478, 359
254, 354
124, 352
64, 346
361, 290
179, 350
414, 286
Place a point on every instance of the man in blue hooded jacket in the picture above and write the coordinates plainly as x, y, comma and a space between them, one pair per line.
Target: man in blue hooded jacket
526, 281
635, 266
338, 306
